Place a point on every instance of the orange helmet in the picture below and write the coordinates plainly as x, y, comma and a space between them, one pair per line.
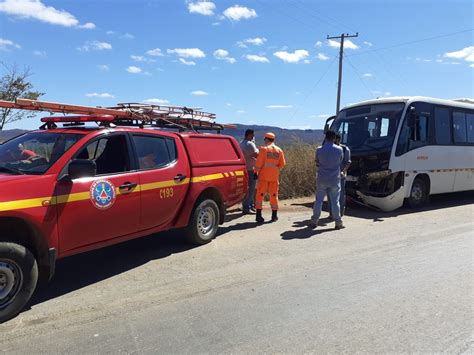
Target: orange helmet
270, 135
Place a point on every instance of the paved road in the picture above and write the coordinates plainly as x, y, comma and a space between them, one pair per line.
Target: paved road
400, 282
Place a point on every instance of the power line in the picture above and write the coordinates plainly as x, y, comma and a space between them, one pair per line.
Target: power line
310, 92
360, 77
411, 42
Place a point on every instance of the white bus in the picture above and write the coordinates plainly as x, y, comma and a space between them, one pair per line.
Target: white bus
407, 148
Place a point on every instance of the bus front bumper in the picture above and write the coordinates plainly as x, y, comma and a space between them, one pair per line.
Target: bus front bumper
387, 203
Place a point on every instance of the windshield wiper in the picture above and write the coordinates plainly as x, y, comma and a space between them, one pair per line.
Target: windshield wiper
11, 170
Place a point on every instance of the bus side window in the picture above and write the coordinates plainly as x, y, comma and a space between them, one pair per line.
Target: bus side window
419, 133
470, 127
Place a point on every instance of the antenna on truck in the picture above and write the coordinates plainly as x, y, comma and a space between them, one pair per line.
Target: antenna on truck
124, 114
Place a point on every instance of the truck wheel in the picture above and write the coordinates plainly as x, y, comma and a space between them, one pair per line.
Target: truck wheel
204, 222
18, 277
419, 194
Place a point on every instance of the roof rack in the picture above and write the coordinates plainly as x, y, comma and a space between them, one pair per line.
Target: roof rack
124, 114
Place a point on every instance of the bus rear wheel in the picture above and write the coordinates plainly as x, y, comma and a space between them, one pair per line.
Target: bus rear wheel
418, 194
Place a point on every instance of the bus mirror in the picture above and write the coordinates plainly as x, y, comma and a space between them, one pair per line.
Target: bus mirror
411, 118
326, 128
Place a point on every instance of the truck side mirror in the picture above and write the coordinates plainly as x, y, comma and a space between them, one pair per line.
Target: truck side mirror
79, 168
328, 123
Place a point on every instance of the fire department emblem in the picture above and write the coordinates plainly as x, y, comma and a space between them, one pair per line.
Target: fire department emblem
102, 194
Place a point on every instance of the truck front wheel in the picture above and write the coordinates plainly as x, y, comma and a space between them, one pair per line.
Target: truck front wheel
204, 222
18, 278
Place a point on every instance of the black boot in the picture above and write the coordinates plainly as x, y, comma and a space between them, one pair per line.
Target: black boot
274, 216
259, 217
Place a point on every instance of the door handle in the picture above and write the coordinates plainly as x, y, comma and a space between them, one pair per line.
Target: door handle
179, 177
129, 186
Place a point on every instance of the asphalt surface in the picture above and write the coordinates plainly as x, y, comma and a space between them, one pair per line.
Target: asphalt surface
396, 282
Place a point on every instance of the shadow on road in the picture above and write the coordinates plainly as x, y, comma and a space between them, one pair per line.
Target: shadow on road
82, 270
436, 202
304, 230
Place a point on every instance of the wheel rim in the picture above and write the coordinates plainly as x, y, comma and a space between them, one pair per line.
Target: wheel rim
206, 221
417, 192
11, 279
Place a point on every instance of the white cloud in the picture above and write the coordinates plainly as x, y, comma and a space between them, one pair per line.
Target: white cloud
140, 58
6, 44
257, 41
368, 44
472, 65
127, 36
134, 70
222, 54
322, 56
199, 93
110, 32
187, 52
306, 61
257, 58
205, 8
367, 75
279, 106
104, 95
41, 54
228, 104
466, 53
347, 44
103, 67
241, 111
318, 44
186, 62
87, 26
238, 13
388, 93
156, 101
35, 9
155, 52
94, 46
294, 57
216, 24
323, 115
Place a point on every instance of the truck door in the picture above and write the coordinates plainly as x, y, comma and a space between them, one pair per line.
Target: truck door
107, 206
164, 177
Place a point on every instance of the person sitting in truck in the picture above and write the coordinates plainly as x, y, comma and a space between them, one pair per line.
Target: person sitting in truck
17, 154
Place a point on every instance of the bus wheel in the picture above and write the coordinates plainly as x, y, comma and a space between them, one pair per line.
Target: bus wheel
18, 277
419, 193
204, 222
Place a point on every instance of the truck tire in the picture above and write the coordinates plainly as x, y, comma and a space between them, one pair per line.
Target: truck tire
418, 194
204, 222
18, 278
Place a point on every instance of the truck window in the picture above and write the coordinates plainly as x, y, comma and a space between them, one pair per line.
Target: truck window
153, 151
109, 153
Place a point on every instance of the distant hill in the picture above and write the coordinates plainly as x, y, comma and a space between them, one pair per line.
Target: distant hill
283, 136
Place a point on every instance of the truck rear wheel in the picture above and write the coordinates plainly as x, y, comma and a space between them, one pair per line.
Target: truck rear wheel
204, 222
18, 278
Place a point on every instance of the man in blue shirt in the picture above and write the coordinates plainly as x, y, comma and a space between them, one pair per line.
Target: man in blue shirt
346, 162
329, 158
250, 153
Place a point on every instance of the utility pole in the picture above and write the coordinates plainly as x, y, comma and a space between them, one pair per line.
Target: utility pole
341, 54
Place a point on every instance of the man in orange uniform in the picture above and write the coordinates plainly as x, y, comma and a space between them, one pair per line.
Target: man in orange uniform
270, 161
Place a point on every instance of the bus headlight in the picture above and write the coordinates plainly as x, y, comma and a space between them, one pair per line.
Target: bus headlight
379, 174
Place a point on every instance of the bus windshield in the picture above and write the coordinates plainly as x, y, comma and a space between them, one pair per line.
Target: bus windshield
33, 153
370, 127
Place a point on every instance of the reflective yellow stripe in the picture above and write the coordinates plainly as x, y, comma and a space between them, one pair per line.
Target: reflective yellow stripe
20, 204
81, 196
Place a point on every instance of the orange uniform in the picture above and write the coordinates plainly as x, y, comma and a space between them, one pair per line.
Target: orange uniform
270, 161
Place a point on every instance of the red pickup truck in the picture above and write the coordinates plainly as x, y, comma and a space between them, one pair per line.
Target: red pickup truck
64, 191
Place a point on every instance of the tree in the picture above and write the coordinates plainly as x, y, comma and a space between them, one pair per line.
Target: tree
14, 85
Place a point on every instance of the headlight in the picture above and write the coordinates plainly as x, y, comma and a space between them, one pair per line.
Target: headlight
379, 174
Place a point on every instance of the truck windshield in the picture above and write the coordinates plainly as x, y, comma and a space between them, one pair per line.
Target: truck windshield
33, 153
370, 127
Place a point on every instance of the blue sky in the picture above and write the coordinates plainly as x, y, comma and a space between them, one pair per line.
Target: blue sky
253, 62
